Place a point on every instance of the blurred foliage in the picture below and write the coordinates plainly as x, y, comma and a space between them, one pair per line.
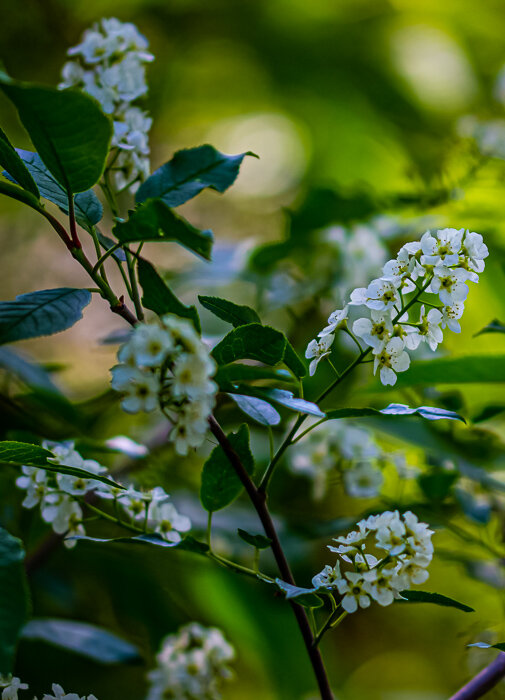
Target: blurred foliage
352, 108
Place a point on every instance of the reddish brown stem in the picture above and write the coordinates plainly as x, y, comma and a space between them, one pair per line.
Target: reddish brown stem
483, 681
258, 499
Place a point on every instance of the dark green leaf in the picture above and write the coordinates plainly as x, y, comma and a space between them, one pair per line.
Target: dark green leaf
68, 129
495, 326
454, 370
220, 484
159, 297
258, 541
108, 243
154, 221
292, 361
189, 172
303, 596
11, 161
41, 313
82, 638
26, 454
257, 409
230, 312
88, 208
188, 544
227, 374
435, 598
395, 409
437, 485
14, 600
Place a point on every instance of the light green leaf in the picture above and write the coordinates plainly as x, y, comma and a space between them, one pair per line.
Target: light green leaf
14, 598
495, 326
257, 409
154, 221
189, 172
41, 313
68, 129
395, 409
11, 161
435, 598
230, 312
159, 297
303, 596
20, 195
220, 484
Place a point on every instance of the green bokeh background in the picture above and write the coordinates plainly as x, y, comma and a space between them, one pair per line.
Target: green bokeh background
349, 94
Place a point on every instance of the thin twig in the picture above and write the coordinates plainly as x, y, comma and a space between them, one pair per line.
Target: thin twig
483, 681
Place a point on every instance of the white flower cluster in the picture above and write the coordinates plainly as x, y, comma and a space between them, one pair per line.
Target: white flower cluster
168, 365
109, 64
440, 264
11, 686
59, 497
408, 552
338, 447
191, 664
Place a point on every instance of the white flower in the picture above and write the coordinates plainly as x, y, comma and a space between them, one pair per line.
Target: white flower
375, 332
335, 320
474, 251
381, 294
412, 571
404, 265
317, 350
354, 592
135, 502
391, 536
428, 330
167, 522
140, 389
363, 481
444, 249
11, 686
191, 374
381, 584
356, 443
450, 316
449, 284
352, 542
59, 694
150, 345
390, 359
328, 577
35, 482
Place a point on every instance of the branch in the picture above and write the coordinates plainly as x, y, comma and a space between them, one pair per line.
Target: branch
484, 681
258, 499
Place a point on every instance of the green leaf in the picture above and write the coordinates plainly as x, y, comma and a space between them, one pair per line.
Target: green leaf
11, 161
454, 370
257, 342
220, 484
395, 409
28, 372
437, 485
227, 374
41, 313
26, 454
188, 544
230, 312
87, 206
257, 409
107, 243
82, 638
20, 195
303, 596
68, 129
435, 598
14, 599
287, 399
159, 297
258, 541
483, 645
495, 326
189, 172
154, 221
